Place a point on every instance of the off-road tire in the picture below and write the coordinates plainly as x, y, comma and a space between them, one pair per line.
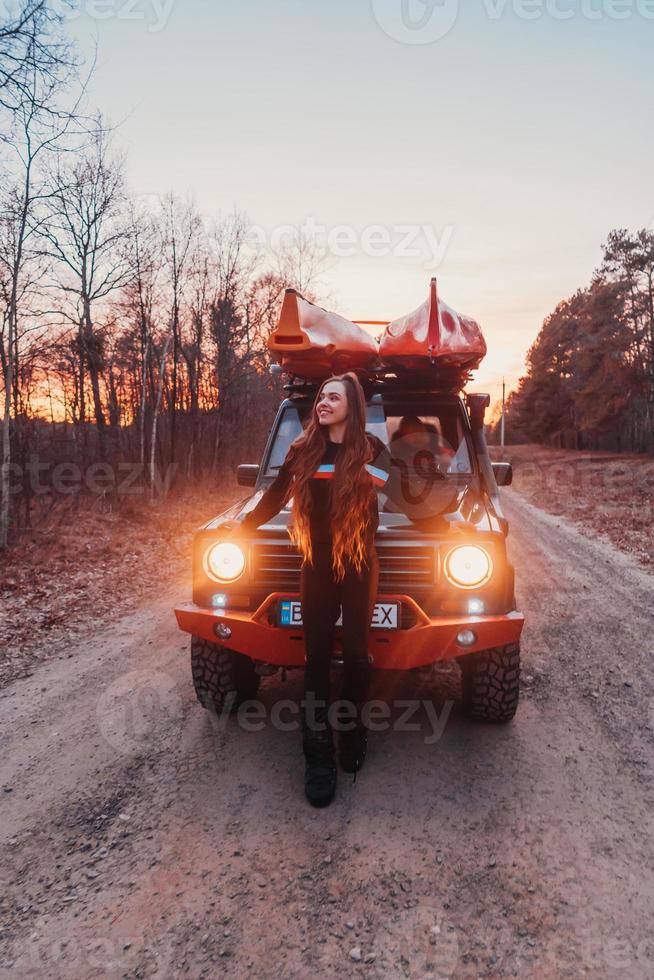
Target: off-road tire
491, 683
221, 677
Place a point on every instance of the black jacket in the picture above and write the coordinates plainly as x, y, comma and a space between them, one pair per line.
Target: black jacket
281, 489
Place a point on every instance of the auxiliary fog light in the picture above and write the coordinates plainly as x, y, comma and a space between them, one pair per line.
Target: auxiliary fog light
466, 638
222, 630
476, 607
224, 562
468, 566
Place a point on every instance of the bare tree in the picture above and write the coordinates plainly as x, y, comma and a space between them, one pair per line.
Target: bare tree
302, 264
138, 302
38, 126
165, 347
86, 235
194, 345
181, 228
240, 317
31, 34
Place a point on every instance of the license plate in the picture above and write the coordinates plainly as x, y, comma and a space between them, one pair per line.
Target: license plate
385, 616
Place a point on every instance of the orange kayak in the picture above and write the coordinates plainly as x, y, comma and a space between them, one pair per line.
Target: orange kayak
433, 336
312, 343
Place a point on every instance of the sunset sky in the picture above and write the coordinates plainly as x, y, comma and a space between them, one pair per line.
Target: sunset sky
508, 147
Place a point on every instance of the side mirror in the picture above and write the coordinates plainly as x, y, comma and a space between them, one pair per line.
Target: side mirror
503, 473
247, 474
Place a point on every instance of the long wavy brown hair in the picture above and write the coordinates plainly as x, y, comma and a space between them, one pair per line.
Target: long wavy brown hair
350, 489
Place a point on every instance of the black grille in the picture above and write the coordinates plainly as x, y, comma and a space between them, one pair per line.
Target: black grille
402, 568
276, 567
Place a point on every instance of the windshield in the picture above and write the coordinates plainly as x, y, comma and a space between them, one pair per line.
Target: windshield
412, 431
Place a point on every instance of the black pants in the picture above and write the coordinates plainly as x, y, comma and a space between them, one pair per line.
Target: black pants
322, 597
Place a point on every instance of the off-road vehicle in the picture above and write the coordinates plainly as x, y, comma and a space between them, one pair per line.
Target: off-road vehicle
446, 586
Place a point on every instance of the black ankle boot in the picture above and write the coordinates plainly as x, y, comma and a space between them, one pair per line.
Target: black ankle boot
352, 746
320, 771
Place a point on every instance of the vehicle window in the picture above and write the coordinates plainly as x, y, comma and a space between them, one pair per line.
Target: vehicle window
413, 431
289, 429
419, 436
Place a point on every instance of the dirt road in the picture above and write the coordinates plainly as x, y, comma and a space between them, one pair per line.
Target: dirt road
138, 839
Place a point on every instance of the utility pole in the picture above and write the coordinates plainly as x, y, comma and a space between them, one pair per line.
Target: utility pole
502, 423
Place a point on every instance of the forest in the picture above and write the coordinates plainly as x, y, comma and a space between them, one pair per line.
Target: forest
133, 332
590, 373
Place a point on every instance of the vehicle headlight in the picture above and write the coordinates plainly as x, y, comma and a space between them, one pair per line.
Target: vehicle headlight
224, 562
468, 566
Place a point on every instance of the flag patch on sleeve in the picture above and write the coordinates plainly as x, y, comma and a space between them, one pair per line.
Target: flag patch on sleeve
379, 477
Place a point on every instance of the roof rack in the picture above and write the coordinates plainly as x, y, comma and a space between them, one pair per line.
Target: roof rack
446, 383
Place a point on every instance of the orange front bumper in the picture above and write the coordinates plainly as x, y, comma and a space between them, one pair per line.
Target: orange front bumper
425, 643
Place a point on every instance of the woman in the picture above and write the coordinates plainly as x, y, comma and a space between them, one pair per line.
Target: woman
332, 471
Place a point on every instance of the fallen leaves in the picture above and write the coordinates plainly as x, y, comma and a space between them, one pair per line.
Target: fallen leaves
83, 564
609, 493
